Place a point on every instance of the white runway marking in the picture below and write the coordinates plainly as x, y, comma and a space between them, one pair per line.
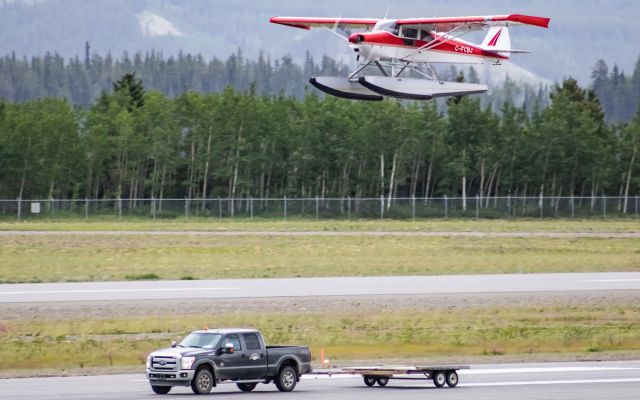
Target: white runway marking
186, 289
610, 281
559, 382
542, 369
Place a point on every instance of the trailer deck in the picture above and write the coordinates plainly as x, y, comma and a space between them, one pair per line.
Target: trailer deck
441, 375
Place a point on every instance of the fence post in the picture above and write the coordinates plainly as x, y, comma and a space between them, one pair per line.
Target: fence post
573, 206
477, 207
251, 207
52, 208
446, 207
219, 208
349, 207
604, 207
19, 208
119, 207
186, 208
381, 206
636, 206
541, 206
509, 205
317, 207
153, 207
413, 207
285, 207
86, 208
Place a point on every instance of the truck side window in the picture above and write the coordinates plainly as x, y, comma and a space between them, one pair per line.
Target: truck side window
252, 341
235, 340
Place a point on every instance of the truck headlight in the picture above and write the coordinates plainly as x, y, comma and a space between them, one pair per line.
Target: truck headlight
187, 362
148, 362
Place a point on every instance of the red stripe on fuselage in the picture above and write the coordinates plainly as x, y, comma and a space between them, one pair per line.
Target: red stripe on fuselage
445, 45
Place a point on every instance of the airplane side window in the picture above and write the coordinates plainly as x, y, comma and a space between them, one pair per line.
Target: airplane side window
425, 36
410, 33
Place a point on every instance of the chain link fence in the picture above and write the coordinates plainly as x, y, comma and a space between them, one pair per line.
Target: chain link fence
325, 208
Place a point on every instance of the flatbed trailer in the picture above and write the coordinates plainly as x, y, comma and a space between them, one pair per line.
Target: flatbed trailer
441, 375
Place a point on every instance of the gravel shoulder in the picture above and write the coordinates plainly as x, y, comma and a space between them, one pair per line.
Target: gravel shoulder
305, 305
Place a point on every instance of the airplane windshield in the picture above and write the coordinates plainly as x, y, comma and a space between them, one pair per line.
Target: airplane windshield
388, 25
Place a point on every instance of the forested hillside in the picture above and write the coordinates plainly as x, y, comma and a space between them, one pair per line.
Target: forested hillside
81, 80
238, 144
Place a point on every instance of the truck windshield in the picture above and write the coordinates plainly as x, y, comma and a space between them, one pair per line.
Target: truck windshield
208, 340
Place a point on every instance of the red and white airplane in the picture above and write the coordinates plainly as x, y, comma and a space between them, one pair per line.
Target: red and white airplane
404, 49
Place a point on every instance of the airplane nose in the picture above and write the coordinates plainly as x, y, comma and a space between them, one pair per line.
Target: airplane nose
356, 38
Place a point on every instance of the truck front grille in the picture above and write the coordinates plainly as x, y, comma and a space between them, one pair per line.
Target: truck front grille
164, 363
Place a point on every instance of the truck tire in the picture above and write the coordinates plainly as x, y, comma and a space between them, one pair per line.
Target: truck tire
202, 382
369, 380
439, 379
452, 379
247, 387
160, 389
287, 379
382, 381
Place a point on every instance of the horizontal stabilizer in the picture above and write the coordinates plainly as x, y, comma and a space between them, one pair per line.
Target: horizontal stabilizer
418, 89
342, 87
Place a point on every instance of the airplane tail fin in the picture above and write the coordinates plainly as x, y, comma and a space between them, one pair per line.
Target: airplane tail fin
497, 40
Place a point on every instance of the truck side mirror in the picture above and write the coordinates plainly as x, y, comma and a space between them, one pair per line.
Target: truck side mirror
174, 344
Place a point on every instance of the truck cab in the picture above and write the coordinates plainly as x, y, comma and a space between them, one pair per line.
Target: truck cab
207, 357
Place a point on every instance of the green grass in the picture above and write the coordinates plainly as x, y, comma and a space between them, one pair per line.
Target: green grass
65, 344
430, 225
55, 258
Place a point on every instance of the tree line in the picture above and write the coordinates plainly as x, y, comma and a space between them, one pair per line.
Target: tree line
131, 143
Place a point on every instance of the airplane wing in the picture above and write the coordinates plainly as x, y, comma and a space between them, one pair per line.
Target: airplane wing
475, 23
313, 22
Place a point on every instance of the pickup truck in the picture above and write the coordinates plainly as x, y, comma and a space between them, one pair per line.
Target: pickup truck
206, 358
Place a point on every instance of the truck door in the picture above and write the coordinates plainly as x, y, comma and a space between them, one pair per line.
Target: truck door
255, 357
231, 366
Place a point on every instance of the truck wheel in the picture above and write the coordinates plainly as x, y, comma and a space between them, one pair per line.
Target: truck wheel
286, 379
202, 382
439, 379
369, 380
247, 387
382, 381
161, 389
452, 379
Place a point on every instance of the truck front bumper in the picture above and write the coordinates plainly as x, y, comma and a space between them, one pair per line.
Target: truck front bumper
170, 378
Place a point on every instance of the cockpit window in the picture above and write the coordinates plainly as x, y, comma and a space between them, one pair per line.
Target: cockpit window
425, 36
409, 33
388, 25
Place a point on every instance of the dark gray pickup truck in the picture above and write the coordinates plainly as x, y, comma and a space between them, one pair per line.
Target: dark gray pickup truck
208, 357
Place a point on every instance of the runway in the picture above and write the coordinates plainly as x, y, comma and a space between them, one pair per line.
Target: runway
585, 381
304, 287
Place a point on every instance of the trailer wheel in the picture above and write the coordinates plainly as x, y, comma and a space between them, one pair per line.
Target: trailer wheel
369, 380
439, 379
452, 379
382, 381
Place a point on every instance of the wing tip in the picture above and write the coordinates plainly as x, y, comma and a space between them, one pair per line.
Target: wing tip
542, 22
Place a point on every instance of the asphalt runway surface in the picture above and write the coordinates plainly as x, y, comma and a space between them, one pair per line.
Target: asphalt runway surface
582, 380
304, 287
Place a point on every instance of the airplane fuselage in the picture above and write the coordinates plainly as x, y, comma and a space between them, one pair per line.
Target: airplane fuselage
384, 45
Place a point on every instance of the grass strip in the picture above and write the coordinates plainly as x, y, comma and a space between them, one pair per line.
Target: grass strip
240, 224
72, 344
60, 258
